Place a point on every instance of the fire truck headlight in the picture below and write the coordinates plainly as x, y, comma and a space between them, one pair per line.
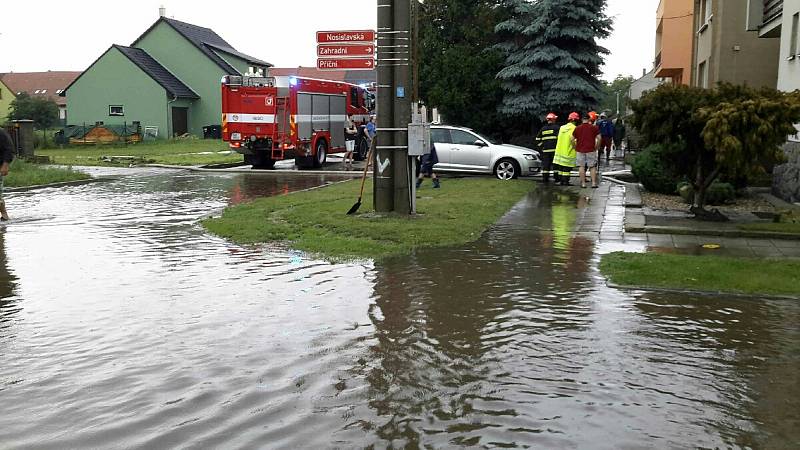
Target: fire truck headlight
224, 80
236, 136
293, 81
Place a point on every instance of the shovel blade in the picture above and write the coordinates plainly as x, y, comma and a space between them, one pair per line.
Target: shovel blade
355, 208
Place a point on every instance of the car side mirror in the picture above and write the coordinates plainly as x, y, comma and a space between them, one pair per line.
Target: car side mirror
480, 143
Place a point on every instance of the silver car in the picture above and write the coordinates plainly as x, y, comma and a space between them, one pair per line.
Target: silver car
463, 150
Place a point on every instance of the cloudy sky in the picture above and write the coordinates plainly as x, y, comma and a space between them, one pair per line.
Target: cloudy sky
39, 35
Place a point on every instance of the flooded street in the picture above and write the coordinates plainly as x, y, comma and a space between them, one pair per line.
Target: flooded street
124, 325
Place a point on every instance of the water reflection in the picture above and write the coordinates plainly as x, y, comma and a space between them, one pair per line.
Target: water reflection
8, 305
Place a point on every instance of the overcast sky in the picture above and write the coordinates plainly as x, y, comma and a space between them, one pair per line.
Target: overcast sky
40, 35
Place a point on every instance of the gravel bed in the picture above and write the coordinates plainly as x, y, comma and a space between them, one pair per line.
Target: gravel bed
663, 202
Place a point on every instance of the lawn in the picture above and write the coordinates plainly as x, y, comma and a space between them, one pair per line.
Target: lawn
703, 273
183, 152
24, 174
780, 227
316, 221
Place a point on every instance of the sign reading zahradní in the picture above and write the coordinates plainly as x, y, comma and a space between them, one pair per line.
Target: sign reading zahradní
345, 36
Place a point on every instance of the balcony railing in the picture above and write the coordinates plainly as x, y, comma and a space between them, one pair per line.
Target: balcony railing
772, 9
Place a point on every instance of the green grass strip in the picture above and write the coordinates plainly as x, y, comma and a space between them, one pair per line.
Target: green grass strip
753, 276
183, 152
316, 222
25, 174
781, 227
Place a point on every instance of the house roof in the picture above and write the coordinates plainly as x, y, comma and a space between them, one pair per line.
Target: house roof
207, 41
348, 76
41, 84
151, 67
157, 72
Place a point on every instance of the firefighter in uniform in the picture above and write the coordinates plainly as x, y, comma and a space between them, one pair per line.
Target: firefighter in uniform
566, 158
546, 144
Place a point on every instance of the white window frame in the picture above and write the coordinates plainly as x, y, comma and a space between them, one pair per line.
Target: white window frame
793, 37
120, 113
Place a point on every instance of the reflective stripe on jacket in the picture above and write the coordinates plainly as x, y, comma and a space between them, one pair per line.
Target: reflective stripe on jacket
565, 149
547, 138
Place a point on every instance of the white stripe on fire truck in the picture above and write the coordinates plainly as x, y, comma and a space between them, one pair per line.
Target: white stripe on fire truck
340, 118
250, 118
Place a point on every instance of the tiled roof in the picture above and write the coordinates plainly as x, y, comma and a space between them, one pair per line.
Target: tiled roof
157, 72
208, 42
42, 84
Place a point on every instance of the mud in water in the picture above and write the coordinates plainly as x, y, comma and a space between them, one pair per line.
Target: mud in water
124, 325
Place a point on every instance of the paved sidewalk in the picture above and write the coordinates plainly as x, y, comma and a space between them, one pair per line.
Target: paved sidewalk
602, 217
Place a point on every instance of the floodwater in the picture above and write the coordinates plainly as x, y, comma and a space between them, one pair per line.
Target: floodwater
124, 325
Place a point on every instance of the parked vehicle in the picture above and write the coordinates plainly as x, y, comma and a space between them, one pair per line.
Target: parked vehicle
275, 118
463, 150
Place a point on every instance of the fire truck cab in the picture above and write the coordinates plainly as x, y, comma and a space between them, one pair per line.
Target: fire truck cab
269, 119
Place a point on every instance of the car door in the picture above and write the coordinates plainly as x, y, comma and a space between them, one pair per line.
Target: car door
466, 155
442, 142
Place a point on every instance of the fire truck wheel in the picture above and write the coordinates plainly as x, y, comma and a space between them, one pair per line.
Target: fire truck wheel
321, 154
362, 148
260, 161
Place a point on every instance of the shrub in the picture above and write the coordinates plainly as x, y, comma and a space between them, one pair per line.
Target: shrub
717, 194
650, 168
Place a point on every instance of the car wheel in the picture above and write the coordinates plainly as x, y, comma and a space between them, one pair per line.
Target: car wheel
260, 161
321, 155
506, 169
362, 148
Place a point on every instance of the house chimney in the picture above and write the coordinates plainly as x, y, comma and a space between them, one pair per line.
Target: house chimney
162, 12
644, 71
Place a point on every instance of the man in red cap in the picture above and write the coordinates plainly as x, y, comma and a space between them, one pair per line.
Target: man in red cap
546, 142
587, 141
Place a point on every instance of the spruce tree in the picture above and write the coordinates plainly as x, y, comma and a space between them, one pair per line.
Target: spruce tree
553, 59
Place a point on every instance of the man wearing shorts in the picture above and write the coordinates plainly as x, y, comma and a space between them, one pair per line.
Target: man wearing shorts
7, 155
587, 140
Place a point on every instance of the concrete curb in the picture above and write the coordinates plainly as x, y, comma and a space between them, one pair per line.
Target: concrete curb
55, 185
313, 173
701, 293
637, 228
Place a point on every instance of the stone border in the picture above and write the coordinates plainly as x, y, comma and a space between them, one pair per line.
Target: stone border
54, 185
635, 222
701, 293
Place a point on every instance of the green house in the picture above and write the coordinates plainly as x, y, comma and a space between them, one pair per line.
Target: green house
167, 81
6, 97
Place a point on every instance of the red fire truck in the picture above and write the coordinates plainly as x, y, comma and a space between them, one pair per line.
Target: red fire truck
275, 118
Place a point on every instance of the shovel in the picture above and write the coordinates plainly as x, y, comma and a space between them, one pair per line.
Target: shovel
355, 207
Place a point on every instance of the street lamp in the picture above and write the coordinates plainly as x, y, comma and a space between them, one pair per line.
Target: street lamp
618, 92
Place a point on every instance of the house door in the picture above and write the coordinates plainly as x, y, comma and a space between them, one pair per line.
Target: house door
180, 121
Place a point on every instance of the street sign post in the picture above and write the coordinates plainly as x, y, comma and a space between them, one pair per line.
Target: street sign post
346, 64
345, 50
332, 37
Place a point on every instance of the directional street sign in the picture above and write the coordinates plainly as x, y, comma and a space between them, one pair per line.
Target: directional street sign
345, 50
324, 37
346, 64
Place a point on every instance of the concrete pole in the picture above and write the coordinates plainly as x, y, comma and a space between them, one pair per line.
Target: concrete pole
395, 89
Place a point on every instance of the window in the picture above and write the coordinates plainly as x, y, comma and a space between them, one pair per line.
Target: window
36, 91
702, 76
354, 97
463, 138
440, 136
116, 110
44, 91
59, 91
793, 37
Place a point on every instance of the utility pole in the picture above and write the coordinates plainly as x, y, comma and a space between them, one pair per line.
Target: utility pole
618, 92
392, 174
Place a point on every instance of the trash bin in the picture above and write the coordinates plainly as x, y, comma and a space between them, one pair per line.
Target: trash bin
212, 132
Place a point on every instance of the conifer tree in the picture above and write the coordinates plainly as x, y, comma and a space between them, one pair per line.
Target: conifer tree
553, 59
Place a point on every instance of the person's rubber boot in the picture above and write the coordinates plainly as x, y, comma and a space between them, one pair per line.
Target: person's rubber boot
419, 182
436, 184
3, 213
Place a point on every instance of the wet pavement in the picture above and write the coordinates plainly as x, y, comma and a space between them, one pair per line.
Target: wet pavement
124, 325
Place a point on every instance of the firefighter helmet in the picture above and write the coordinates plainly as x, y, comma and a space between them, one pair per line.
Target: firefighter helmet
592, 116
574, 116
552, 116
